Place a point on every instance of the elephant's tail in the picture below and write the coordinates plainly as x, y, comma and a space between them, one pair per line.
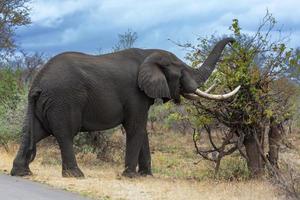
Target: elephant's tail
33, 96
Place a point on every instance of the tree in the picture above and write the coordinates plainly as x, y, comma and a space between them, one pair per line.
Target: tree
262, 66
13, 14
126, 40
29, 63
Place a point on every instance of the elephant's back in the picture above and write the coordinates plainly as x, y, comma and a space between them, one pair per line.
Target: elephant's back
77, 67
58, 75
78, 75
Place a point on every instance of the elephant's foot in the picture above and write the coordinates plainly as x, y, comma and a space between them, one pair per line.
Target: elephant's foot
130, 173
145, 172
20, 172
76, 172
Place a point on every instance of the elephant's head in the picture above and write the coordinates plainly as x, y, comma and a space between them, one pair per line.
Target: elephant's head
163, 75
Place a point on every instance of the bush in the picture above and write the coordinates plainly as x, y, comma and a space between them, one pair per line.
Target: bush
170, 116
11, 88
109, 146
11, 119
13, 101
233, 168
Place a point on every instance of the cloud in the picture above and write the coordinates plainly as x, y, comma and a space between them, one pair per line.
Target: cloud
51, 13
87, 25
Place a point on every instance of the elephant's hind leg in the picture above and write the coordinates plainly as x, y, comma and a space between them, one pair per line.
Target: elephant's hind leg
25, 156
69, 163
65, 123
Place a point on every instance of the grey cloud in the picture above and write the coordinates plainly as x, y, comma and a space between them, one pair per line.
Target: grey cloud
90, 24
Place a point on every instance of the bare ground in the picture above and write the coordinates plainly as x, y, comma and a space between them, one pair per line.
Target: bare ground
103, 181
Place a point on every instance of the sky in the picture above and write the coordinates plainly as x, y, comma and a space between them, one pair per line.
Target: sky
90, 25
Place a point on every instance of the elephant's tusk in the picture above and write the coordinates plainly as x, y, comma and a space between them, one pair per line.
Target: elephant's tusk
191, 96
216, 96
211, 88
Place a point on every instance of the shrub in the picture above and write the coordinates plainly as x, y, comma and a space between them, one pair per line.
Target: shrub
233, 168
13, 98
11, 119
170, 116
107, 145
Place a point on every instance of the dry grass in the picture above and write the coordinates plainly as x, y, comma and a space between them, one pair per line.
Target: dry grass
175, 175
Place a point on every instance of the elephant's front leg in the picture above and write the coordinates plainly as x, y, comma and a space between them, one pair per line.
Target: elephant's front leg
69, 164
145, 159
135, 136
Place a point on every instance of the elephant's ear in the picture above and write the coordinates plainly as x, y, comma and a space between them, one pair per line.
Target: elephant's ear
151, 78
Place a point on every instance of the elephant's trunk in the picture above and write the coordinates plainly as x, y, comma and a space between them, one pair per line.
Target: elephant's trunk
202, 73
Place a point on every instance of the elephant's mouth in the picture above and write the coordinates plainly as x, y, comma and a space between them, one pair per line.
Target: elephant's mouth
205, 94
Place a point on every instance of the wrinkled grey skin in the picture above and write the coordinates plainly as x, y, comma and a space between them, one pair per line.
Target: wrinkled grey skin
77, 92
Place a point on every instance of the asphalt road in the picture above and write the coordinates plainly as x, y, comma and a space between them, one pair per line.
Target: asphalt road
14, 188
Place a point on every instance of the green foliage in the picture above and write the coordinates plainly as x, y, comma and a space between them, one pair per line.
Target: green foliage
11, 120
158, 112
173, 117
14, 13
107, 145
259, 67
235, 28
10, 88
265, 70
13, 98
233, 168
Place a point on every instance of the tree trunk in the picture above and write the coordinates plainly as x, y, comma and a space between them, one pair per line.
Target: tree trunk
255, 161
274, 141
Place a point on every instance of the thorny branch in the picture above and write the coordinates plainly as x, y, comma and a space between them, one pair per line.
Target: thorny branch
229, 144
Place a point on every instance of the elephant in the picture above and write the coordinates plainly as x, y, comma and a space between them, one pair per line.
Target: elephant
76, 92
